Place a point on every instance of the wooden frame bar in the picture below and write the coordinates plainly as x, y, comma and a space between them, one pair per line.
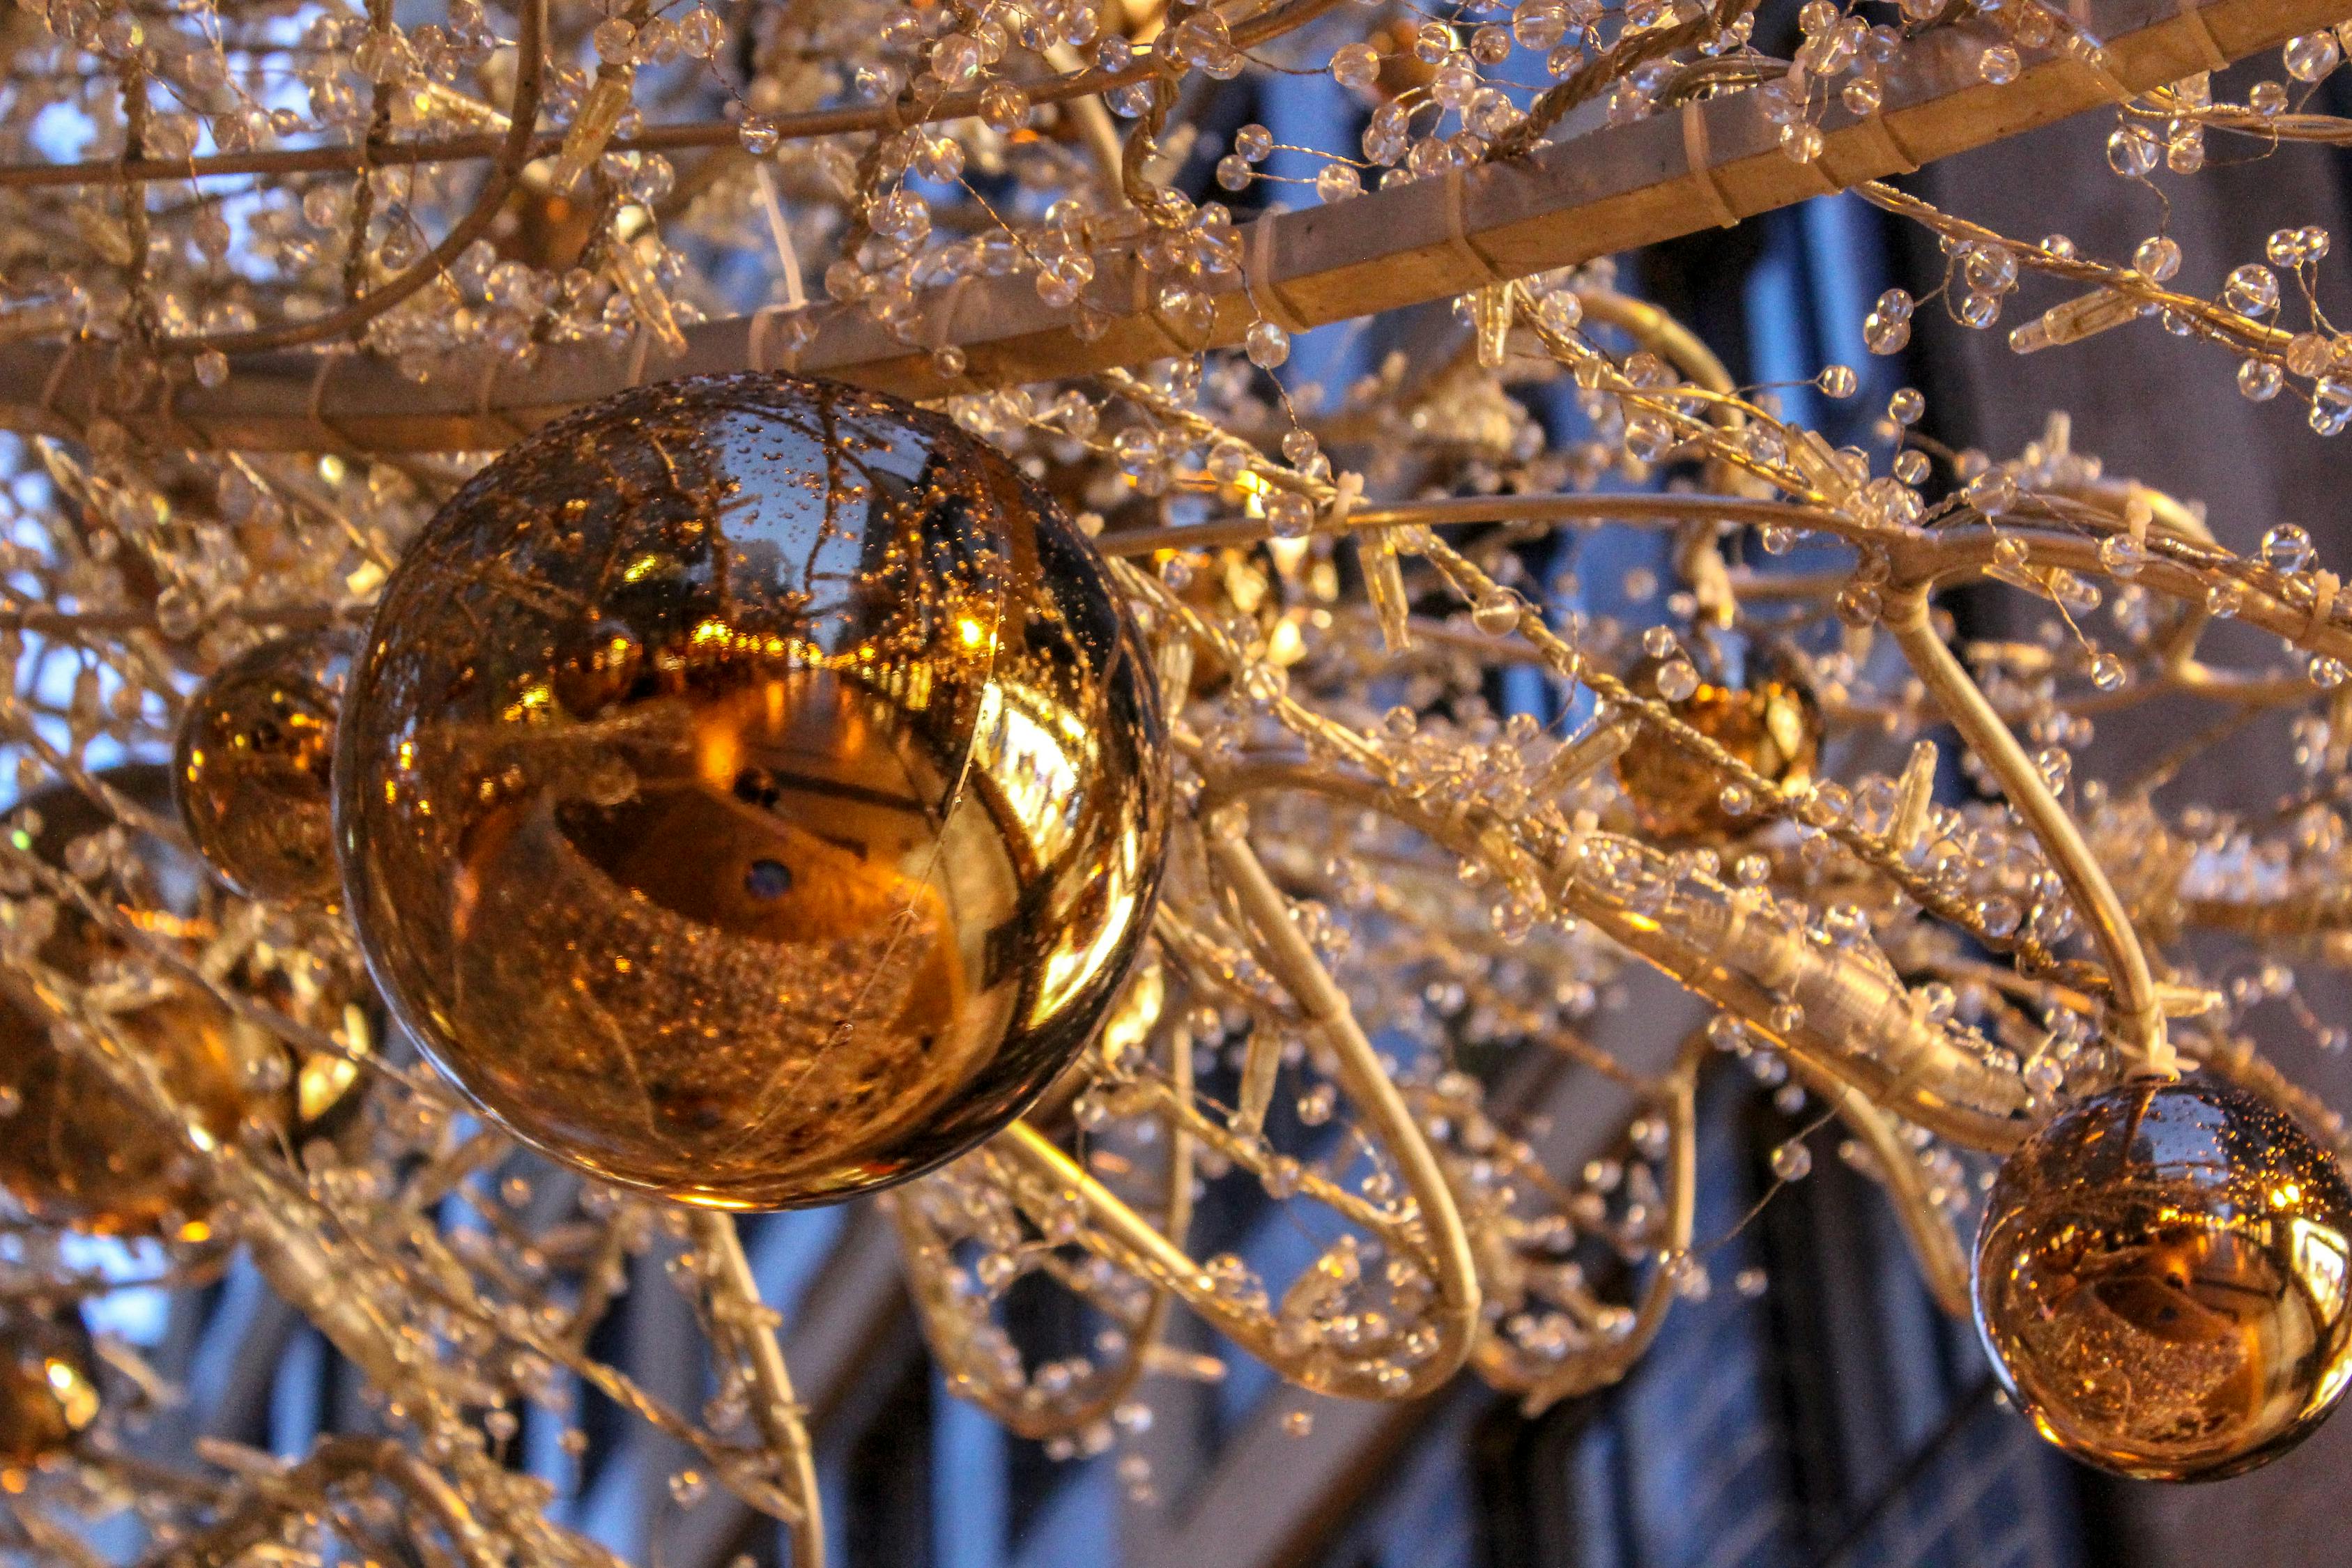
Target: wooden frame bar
1609, 190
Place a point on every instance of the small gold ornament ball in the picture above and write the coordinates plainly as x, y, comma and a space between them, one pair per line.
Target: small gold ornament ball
76, 1149
250, 768
48, 1384
2161, 1280
1772, 724
753, 790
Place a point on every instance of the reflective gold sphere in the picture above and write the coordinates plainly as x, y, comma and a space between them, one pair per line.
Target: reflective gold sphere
75, 1149
79, 1153
48, 1384
251, 768
2161, 1280
753, 790
1772, 724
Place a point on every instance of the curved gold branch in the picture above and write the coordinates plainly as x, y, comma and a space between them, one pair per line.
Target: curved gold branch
947, 1315
1443, 1245
2134, 1020
735, 1304
1699, 557
1434, 1234
1663, 335
1113, 1230
948, 1318
1943, 1261
1610, 1363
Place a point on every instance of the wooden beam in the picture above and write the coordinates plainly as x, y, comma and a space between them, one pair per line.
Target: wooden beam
1611, 190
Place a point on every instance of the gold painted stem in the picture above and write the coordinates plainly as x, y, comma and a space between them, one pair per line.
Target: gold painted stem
773, 1407
1117, 1230
1662, 336
1610, 1365
942, 1312
2135, 1021
1943, 1261
1285, 950
1680, 347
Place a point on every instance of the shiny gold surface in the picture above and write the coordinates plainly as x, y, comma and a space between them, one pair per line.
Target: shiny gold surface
1771, 724
250, 771
752, 791
77, 1151
81, 1154
2161, 1281
48, 1384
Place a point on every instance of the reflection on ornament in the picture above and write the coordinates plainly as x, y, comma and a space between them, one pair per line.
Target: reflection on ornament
752, 791
48, 1384
76, 1149
2161, 1280
1772, 724
250, 769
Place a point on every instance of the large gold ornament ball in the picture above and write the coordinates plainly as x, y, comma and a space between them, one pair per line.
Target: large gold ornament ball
752, 791
76, 1148
1772, 724
2161, 1280
251, 768
48, 1384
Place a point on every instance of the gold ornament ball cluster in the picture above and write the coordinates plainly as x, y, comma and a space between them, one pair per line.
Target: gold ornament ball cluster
753, 790
251, 767
48, 1384
1772, 724
76, 1148
2161, 1280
